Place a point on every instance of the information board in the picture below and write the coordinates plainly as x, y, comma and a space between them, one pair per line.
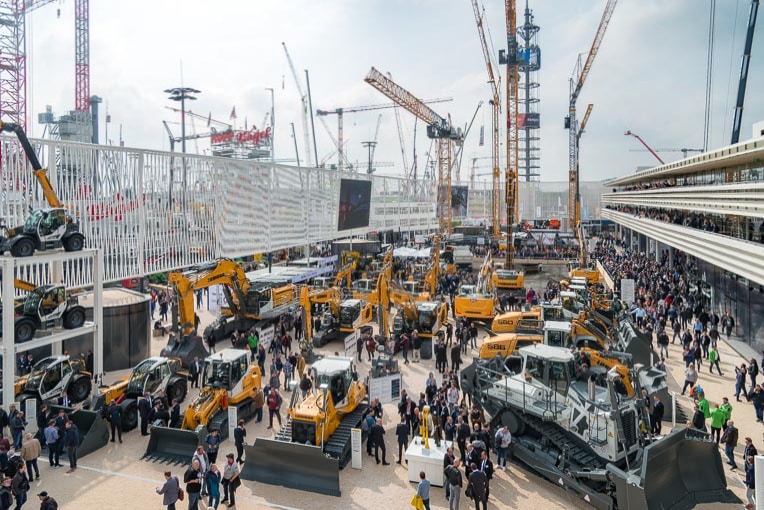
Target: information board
266, 336
387, 389
350, 340
356, 440
627, 290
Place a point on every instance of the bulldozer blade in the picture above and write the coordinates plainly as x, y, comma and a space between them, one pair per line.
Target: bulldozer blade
291, 465
167, 444
678, 472
94, 433
639, 345
185, 348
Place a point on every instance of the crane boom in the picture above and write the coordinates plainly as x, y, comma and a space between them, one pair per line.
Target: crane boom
577, 80
511, 172
304, 101
496, 113
438, 128
376, 137
629, 133
336, 143
585, 120
746, 62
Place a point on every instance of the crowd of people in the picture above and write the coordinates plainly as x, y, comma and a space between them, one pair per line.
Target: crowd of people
692, 220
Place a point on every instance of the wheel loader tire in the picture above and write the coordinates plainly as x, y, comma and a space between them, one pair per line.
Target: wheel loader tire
177, 390
129, 414
74, 318
80, 389
24, 247
74, 242
25, 330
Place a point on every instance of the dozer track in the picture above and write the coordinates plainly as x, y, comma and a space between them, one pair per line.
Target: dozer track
338, 446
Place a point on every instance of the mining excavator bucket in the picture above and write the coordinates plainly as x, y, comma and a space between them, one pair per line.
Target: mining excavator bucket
678, 472
185, 348
291, 465
94, 433
639, 345
167, 444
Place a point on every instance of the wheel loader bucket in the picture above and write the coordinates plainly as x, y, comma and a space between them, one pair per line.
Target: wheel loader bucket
167, 444
291, 465
185, 348
94, 433
678, 472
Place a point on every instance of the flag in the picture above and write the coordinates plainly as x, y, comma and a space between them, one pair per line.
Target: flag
233, 113
209, 119
482, 136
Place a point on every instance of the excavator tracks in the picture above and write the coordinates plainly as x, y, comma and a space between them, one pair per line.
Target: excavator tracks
338, 446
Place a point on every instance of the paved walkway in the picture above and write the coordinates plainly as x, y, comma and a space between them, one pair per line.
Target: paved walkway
716, 387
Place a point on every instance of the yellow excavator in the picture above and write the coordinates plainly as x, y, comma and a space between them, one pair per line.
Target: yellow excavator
314, 443
343, 316
248, 306
345, 274
427, 317
478, 301
44, 229
228, 379
583, 268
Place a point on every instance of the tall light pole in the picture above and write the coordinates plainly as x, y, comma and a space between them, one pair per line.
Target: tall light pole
181, 94
273, 125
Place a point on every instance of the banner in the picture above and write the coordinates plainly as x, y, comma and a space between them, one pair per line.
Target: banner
216, 298
627, 290
266, 336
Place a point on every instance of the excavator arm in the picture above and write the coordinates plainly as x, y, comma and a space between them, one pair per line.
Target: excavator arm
39, 172
400, 297
306, 344
383, 300
224, 272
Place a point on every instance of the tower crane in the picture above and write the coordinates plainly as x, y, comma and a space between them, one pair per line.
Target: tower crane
629, 133
373, 147
340, 113
744, 72
495, 83
438, 128
683, 150
304, 101
402, 140
340, 148
511, 172
576, 82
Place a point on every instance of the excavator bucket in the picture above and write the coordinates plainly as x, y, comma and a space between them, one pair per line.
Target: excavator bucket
678, 472
291, 465
167, 444
94, 433
185, 348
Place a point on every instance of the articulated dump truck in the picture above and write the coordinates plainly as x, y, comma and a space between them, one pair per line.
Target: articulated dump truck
583, 436
314, 444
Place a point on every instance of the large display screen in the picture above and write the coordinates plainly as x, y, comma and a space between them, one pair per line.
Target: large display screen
459, 196
355, 204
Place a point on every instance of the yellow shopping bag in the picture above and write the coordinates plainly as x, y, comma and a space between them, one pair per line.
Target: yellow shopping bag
417, 502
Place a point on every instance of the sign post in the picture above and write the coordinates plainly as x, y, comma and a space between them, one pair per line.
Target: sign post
233, 419
355, 444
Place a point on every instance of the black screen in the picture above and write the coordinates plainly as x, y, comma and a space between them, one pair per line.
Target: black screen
355, 203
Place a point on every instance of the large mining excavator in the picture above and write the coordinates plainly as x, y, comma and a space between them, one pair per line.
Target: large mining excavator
248, 306
581, 435
478, 301
228, 379
46, 307
314, 443
151, 376
44, 229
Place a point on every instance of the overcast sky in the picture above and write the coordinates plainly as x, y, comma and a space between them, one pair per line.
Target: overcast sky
649, 75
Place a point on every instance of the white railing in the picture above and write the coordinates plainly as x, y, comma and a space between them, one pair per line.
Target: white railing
743, 258
744, 199
152, 211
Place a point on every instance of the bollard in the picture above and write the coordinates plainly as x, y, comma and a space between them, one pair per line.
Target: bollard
673, 409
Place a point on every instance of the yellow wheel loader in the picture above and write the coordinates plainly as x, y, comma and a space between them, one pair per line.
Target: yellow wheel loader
228, 379
315, 442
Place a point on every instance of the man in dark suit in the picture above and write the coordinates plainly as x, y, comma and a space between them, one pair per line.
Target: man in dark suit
656, 418
175, 414
115, 418
478, 481
64, 400
486, 466
144, 408
402, 431
377, 435
196, 370
239, 433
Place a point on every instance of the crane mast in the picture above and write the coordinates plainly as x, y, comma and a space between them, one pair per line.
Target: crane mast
577, 80
438, 128
744, 72
511, 173
304, 101
496, 113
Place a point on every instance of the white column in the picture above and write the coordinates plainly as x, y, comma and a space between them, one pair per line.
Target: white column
56, 276
9, 356
98, 316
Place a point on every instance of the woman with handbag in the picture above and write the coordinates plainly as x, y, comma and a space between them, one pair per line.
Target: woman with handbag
231, 480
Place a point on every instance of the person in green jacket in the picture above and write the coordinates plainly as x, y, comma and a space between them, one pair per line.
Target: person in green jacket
713, 360
252, 341
727, 408
704, 407
718, 418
